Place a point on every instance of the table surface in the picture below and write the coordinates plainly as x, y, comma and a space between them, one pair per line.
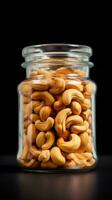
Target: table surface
19, 185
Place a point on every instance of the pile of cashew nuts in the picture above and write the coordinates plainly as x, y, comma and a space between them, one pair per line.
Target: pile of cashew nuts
57, 120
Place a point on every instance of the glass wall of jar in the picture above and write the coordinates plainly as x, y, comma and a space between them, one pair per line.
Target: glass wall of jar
57, 109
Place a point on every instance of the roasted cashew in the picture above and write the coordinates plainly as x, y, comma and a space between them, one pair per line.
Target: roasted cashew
80, 128
57, 86
72, 94
48, 165
87, 90
26, 99
59, 105
86, 104
72, 84
70, 164
45, 140
30, 164
27, 109
44, 156
34, 117
40, 85
26, 123
45, 113
69, 146
60, 122
43, 96
40, 139
73, 120
57, 156
35, 152
25, 88
50, 138
86, 114
76, 108
82, 159
84, 139
64, 70
37, 109
31, 134
46, 125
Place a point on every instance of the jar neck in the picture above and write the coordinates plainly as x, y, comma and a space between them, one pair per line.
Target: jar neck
51, 57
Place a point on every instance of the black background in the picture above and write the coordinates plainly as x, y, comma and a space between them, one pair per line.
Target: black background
37, 24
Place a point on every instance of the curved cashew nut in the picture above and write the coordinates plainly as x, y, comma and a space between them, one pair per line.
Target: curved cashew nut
37, 109
44, 156
69, 146
76, 108
46, 125
80, 128
45, 140
40, 85
26, 99
70, 164
64, 70
59, 105
73, 119
34, 117
60, 122
25, 88
57, 156
50, 138
30, 164
57, 86
40, 139
44, 96
31, 134
84, 139
48, 165
72, 84
34, 151
86, 104
82, 159
45, 113
70, 94
86, 114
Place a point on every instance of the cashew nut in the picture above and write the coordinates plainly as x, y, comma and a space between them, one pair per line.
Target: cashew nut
37, 109
86, 104
48, 165
31, 134
60, 122
44, 156
45, 113
84, 139
72, 94
57, 86
34, 117
72, 84
40, 85
69, 146
70, 164
80, 128
45, 140
30, 164
26, 123
86, 114
25, 88
59, 105
82, 159
40, 139
76, 108
26, 99
50, 138
34, 151
46, 125
25, 149
44, 96
57, 156
73, 119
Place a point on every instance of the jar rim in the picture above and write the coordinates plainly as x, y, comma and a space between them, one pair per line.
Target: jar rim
57, 48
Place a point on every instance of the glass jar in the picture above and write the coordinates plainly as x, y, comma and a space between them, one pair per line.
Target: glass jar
57, 109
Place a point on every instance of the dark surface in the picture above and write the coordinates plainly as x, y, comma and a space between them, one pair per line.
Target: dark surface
16, 184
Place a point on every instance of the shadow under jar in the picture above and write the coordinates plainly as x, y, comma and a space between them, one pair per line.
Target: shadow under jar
57, 109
